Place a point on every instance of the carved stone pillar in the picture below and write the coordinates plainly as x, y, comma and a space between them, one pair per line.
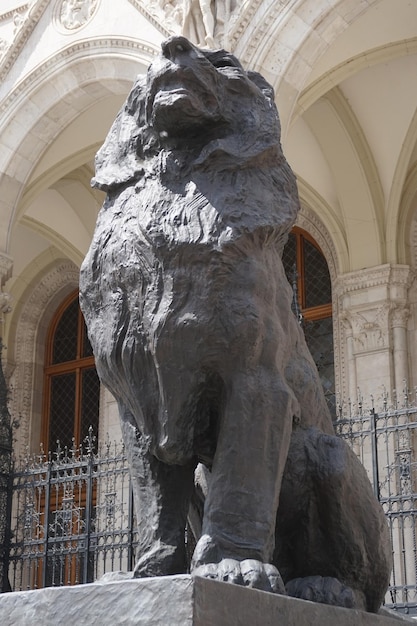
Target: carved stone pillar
352, 383
6, 266
399, 318
373, 329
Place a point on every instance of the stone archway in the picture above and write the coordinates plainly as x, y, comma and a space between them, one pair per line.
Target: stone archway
27, 346
50, 98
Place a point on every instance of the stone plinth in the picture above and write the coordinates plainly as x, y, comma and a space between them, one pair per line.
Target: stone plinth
173, 601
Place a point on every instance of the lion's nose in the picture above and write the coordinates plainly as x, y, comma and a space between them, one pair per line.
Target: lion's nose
175, 47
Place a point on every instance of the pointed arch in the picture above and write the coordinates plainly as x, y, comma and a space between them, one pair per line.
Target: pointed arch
399, 206
360, 193
50, 98
283, 41
319, 219
26, 340
349, 67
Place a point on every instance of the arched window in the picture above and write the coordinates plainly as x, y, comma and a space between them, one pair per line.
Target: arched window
72, 388
308, 273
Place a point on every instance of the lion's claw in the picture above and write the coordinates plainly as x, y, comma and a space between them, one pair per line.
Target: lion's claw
229, 570
326, 590
249, 573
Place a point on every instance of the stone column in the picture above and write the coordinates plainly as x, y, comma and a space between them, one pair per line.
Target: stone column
373, 330
6, 266
352, 383
399, 319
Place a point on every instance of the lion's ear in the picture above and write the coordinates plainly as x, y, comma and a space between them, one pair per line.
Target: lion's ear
117, 161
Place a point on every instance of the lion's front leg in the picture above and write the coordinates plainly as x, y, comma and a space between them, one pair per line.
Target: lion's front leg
161, 494
240, 510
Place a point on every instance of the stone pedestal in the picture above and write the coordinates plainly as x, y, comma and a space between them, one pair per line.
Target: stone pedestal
174, 601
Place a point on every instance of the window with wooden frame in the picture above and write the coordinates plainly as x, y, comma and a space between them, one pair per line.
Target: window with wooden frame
71, 384
71, 407
308, 273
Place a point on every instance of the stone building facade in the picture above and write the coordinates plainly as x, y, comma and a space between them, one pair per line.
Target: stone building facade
344, 74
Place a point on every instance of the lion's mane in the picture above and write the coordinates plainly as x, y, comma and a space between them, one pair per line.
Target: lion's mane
178, 202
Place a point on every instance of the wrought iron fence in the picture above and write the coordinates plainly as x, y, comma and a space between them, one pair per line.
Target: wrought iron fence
73, 520
72, 517
384, 436
6, 444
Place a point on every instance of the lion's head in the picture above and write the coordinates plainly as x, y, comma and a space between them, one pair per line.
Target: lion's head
201, 103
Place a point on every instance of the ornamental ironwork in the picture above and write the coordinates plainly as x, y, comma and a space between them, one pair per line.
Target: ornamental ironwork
72, 515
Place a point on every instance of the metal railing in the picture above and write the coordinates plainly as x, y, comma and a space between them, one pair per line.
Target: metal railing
72, 517
73, 520
384, 436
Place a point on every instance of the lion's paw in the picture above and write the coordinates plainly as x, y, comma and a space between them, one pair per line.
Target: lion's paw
324, 589
249, 573
210, 561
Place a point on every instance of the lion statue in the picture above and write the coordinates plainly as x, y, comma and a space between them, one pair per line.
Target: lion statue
189, 314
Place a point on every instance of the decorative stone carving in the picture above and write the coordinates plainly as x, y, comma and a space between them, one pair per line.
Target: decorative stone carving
370, 328
31, 19
5, 302
204, 22
399, 316
6, 265
172, 13
75, 13
5, 307
189, 314
397, 276
93, 47
18, 20
4, 45
19, 16
198, 22
373, 310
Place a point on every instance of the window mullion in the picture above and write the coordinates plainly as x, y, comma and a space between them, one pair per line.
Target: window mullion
46, 412
77, 408
80, 334
300, 270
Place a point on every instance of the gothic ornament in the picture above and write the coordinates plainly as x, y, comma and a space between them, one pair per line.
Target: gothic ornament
4, 46
204, 22
75, 13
